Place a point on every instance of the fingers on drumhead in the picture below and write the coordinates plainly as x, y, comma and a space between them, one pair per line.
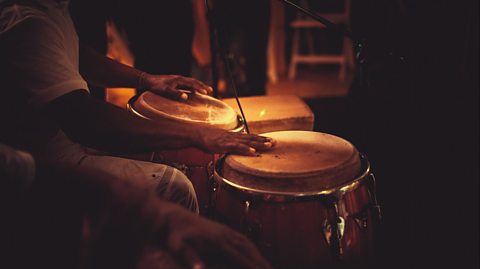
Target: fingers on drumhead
241, 148
259, 142
260, 145
259, 138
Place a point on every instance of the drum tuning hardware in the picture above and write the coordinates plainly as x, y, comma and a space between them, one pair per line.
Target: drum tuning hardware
253, 229
372, 190
333, 233
212, 197
211, 169
361, 219
247, 207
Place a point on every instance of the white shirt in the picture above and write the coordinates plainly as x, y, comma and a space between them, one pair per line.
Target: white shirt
39, 62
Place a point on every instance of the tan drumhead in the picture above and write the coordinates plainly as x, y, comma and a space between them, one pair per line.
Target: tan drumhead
301, 160
198, 109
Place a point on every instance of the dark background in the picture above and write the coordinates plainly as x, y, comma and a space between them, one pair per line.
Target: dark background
418, 123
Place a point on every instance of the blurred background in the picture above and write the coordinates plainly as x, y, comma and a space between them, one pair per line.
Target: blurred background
413, 111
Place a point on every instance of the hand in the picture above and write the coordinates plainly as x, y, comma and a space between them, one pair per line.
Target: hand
171, 85
201, 243
221, 141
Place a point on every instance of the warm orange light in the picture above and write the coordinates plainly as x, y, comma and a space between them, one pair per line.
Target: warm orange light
262, 113
119, 51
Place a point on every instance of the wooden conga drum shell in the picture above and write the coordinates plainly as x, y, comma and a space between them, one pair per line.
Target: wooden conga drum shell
283, 200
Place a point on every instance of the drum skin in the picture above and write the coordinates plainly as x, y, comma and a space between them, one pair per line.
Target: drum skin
293, 226
198, 109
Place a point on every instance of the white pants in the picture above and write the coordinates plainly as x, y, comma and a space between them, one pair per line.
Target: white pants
169, 183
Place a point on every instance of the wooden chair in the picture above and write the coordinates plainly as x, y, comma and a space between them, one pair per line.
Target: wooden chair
345, 59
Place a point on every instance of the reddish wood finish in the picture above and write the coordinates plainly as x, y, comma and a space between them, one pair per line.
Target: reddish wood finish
290, 234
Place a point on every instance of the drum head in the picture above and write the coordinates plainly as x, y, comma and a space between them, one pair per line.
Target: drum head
198, 109
301, 161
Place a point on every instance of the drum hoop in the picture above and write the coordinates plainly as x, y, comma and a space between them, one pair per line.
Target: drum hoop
130, 107
286, 196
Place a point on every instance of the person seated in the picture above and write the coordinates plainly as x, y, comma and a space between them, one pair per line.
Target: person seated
60, 216
50, 113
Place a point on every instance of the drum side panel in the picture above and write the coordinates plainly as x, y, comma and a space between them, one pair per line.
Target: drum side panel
289, 235
359, 237
292, 234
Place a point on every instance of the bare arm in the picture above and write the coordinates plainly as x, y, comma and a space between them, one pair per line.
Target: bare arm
101, 71
103, 126
104, 72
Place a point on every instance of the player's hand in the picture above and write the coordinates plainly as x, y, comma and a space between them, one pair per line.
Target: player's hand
202, 244
173, 85
221, 141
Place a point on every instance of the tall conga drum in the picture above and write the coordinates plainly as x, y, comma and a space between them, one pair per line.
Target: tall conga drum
199, 110
307, 203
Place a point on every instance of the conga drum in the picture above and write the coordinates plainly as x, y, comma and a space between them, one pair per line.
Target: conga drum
199, 110
307, 203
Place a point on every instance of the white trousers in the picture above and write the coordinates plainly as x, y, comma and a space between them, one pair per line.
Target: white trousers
169, 183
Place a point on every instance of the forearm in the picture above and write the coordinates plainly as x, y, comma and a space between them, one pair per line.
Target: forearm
102, 126
101, 71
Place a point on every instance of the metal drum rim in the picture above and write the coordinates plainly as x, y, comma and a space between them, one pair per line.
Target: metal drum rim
279, 195
130, 107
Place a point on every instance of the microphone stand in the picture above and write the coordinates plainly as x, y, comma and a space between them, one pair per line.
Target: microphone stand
217, 34
360, 43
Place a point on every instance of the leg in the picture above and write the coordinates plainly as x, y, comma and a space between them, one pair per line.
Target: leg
169, 183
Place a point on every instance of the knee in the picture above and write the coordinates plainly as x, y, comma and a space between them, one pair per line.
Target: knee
175, 187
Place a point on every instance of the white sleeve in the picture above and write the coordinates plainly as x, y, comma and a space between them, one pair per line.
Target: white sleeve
40, 65
17, 169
